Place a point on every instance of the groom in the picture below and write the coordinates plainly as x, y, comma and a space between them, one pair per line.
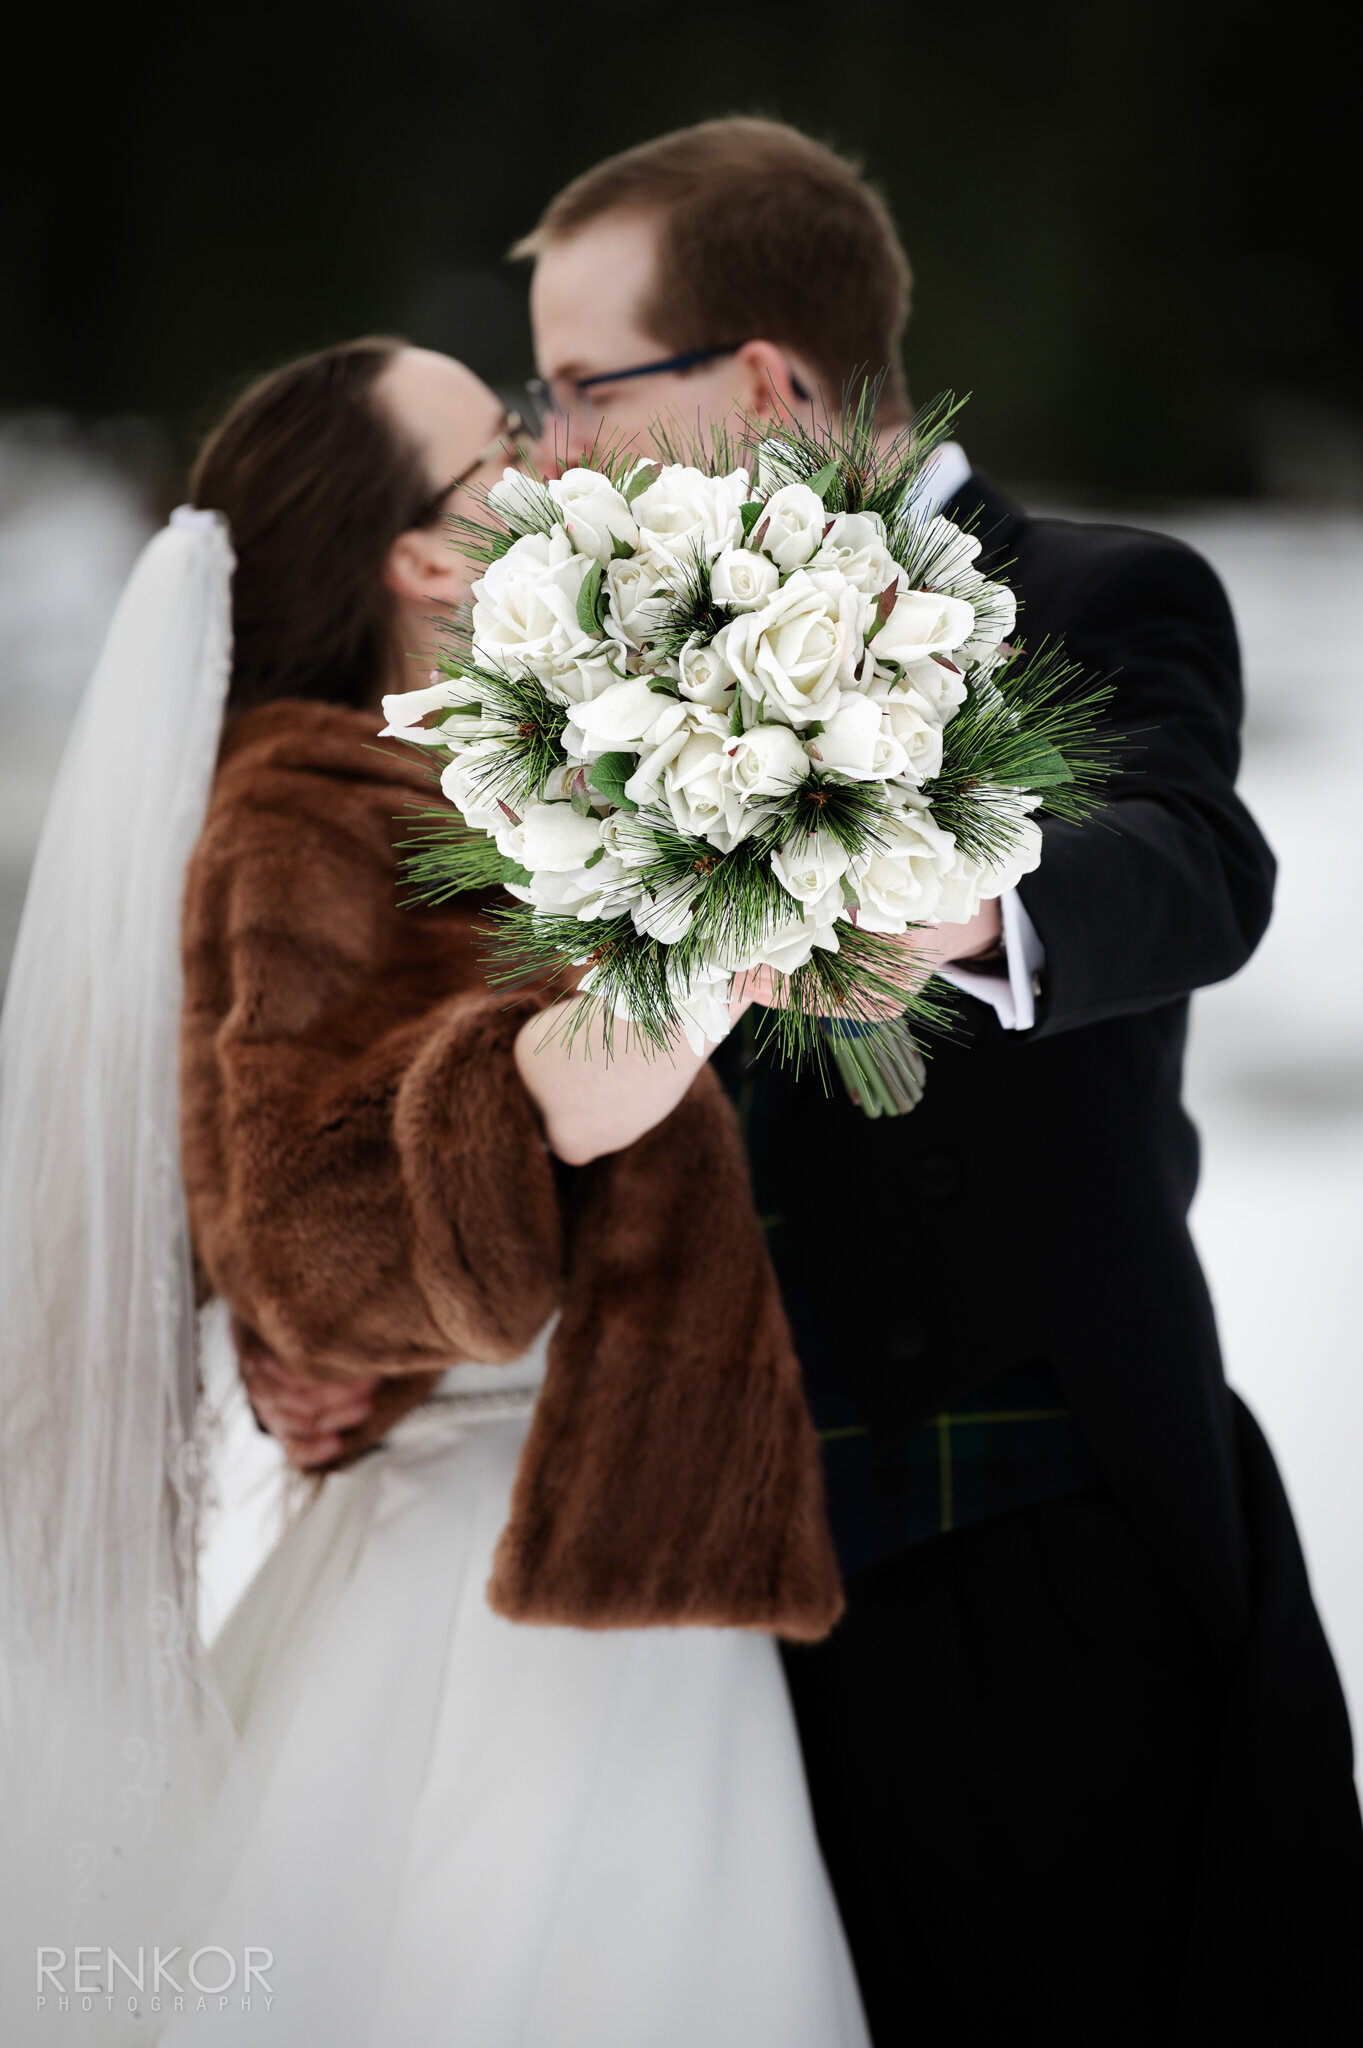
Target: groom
1077, 1751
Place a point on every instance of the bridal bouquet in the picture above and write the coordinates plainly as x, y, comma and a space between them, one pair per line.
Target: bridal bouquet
715, 715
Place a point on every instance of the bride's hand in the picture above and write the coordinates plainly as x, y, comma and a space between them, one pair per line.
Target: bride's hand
589, 1107
306, 1415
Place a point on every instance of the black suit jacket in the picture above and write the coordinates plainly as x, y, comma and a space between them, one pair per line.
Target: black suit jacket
1034, 1206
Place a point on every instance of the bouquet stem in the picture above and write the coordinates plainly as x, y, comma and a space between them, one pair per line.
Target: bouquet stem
881, 1067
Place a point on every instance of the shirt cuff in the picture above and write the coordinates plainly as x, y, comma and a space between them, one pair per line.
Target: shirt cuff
1014, 999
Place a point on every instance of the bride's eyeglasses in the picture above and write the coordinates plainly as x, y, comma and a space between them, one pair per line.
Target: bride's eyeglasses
512, 430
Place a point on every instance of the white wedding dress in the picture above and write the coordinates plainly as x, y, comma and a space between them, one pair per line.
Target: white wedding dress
457, 1830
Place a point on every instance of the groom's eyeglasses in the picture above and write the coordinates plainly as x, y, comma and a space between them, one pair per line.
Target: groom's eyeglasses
558, 395
513, 427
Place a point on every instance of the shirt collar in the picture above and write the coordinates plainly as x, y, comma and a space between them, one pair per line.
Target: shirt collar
943, 477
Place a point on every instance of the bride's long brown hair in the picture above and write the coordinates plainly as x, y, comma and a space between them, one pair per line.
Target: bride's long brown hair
316, 485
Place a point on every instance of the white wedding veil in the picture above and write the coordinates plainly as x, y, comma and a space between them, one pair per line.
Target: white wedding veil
112, 1738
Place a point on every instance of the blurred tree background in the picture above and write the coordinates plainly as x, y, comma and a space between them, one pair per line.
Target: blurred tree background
1122, 217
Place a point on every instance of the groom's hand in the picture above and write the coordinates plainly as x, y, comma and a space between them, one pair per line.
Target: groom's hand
926, 947
306, 1415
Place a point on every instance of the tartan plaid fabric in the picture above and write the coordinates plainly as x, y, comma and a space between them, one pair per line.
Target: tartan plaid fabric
1013, 1443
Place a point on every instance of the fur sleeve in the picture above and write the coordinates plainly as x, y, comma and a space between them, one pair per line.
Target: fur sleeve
671, 1474
367, 1182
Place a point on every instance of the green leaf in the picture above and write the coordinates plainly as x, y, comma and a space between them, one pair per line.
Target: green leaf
621, 551
821, 482
1045, 766
593, 858
581, 803
813, 729
736, 715
661, 687
589, 600
609, 776
646, 474
512, 871
465, 711
751, 513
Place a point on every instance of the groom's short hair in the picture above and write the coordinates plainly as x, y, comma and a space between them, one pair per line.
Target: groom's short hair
765, 235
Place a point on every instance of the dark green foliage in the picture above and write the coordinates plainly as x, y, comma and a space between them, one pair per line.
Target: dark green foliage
531, 727
691, 612
1032, 725
443, 858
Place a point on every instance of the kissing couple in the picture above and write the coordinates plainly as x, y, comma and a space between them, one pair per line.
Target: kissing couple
674, 1647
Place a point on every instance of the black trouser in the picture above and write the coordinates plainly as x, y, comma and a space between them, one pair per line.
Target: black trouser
1012, 1741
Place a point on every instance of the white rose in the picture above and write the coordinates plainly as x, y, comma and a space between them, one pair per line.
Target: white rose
584, 893
701, 802
623, 715
523, 502
765, 761
792, 525
701, 1000
637, 599
594, 513
808, 867
525, 606
961, 892
705, 676
510, 839
855, 546
668, 915
996, 610
938, 685
628, 840
558, 839
788, 655
464, 783
790, 945
855, 743
923, 623
676, 725
559, 783
742, 579
404, 711
591, 675
908, 719
683, 510
1023, 855
900, 881
945, 551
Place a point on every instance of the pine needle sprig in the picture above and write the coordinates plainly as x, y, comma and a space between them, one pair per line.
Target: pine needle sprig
868, 977
850, 813
846, 460
716, 446
529, 729
630, 970
690, 611
1029, 727
442, 858
735, 898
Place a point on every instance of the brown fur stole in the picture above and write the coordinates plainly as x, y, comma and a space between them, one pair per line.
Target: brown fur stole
370, 1190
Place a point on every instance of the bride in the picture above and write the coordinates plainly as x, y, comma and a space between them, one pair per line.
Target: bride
495, 1748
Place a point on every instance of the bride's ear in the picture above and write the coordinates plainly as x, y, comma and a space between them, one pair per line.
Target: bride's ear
424, 568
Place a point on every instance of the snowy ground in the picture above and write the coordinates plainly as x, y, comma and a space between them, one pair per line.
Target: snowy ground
1276, 1069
